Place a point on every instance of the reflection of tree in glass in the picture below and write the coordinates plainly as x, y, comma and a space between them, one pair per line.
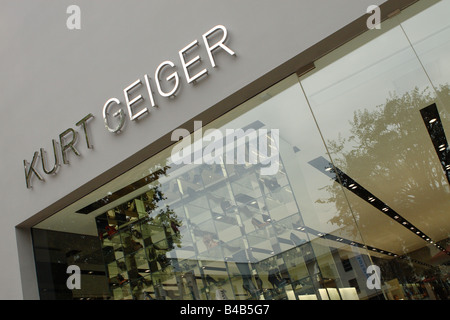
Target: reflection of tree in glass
162, 217
387, 144
165, 218
134, 220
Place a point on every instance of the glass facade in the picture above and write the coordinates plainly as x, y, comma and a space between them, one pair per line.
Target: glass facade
337, 173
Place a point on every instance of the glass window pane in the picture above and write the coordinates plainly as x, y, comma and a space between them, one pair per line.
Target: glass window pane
428, 29
377, 111
249, 225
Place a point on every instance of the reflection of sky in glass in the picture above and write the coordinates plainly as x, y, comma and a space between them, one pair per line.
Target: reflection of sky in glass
363, 79
429, 32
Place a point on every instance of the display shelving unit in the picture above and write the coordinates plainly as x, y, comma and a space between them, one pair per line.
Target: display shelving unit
219, 229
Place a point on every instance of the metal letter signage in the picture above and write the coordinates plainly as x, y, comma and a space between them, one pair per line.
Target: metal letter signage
31, 170
167, 81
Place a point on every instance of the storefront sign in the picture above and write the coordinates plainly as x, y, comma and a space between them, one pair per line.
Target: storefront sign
171, 80
167, 82
67, 141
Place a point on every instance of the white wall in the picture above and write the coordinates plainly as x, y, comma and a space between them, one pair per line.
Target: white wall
51, 77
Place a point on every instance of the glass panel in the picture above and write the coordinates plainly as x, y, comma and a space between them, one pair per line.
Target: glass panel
379, 114
428, 29
228, 229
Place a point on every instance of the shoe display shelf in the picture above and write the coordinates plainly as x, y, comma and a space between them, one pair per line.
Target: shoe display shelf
228, 216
